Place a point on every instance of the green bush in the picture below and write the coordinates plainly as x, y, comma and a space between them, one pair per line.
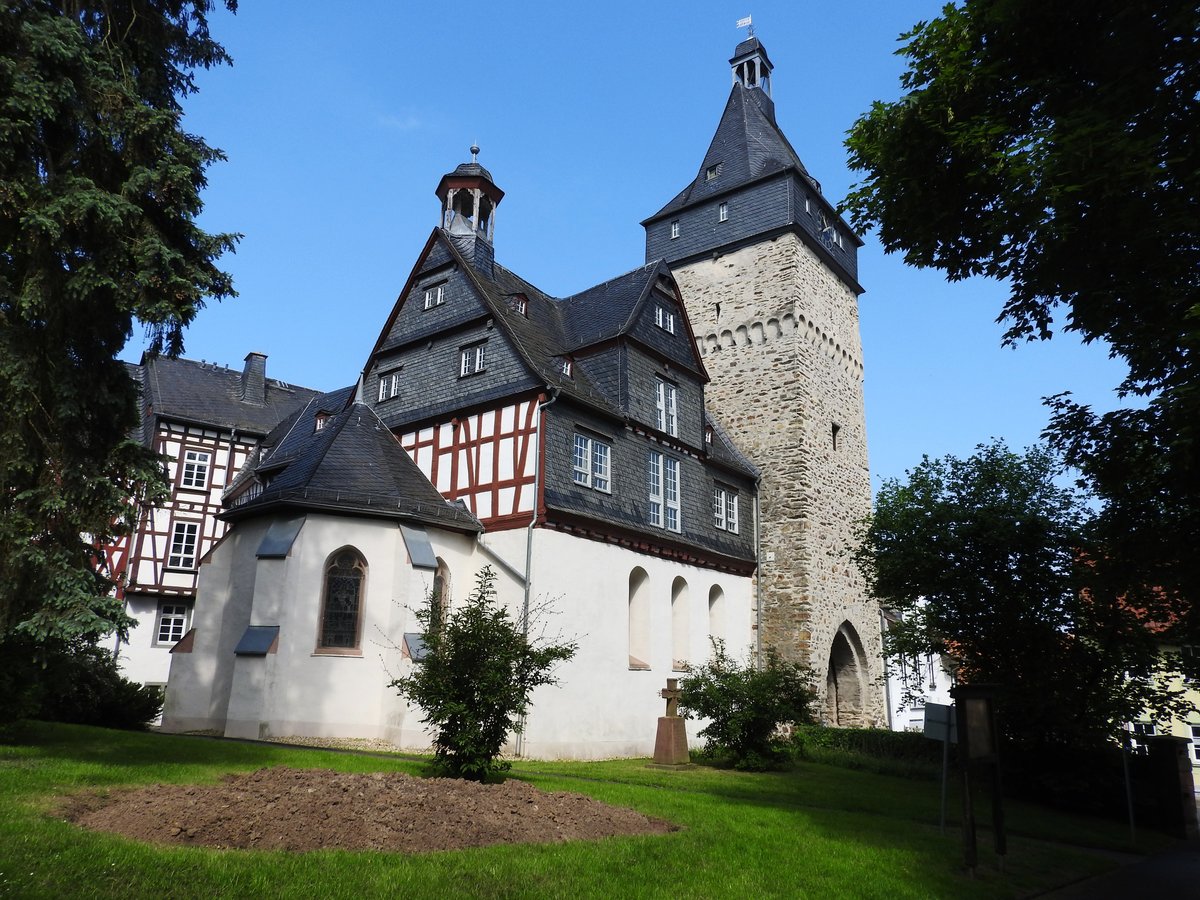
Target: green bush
746, 706
474, 681
905, 753
77, 683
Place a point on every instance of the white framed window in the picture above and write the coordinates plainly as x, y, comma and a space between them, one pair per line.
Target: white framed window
1138, 732
472, 360
196, 464
723, 211
389, 385
172, 623
666, 405
182, 553
675, 229
591, 463
1196, 743
321, 420
725, 509
663, 487
568, 368
519, 303
435, 295
664, 318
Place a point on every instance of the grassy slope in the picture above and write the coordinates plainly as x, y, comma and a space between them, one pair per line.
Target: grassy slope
817, 832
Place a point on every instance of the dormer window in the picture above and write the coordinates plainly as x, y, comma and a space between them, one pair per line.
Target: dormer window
320, 420
664, 318
389, 385
708, 435
711, 173
435, 295
568, 368
675, 229
519, 303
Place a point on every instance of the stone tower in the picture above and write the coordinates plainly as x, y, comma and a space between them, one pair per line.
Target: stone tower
768, 270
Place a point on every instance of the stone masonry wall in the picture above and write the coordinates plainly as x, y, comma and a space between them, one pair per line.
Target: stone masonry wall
780, 339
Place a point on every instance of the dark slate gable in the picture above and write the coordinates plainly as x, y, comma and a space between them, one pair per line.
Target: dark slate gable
354, 464
765, 187
208, 394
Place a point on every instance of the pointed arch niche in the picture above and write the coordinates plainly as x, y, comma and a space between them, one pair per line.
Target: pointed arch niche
679, 624
846, 679
639, 619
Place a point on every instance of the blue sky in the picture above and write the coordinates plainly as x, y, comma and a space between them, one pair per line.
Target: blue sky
339, 119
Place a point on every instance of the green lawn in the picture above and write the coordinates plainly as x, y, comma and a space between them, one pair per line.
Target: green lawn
818, 831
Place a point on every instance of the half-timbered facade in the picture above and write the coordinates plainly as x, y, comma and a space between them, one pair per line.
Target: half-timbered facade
205, 420
568, 448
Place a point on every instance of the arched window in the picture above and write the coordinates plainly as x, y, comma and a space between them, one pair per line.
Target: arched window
716, 613
341, 605
639, 619
679, 625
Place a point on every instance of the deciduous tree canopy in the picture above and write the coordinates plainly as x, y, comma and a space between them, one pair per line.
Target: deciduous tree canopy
990, 563
1057, 146
99, 193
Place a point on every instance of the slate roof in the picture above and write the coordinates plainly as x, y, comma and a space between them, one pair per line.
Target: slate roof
748, 145
210, 394
723, 451
354, 464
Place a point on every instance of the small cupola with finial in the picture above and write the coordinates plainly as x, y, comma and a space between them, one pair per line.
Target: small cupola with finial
469, 200
750, 64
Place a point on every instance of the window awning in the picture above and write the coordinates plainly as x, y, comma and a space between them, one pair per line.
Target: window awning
420, 551
259, 640
277, 542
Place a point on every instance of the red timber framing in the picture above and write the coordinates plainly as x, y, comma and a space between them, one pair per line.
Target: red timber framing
485, 458
195, 500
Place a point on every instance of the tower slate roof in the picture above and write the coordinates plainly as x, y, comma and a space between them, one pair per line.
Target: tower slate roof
352, 464
747, 146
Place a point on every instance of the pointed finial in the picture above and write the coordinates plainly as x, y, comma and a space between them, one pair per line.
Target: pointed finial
474, 153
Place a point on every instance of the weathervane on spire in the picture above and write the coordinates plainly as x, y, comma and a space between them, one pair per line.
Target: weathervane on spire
747, 24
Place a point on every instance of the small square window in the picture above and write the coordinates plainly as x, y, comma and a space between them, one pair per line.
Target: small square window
182, 553
664, 318
472, 360
195, 469
712, 172
172, 623
389, 385
519, 303
675, 229
320, 421
723, 212
568, 368
435, 295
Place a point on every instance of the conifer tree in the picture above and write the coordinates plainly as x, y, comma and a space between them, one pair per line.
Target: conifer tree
99, 194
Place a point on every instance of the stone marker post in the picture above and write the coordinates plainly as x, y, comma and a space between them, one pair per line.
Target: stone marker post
670, 745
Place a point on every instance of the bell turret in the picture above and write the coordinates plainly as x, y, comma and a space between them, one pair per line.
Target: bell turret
469, 200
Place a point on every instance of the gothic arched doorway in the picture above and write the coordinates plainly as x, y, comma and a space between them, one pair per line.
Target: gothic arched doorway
845, 682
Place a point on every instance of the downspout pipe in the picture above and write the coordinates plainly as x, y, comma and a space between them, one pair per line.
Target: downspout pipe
537, 497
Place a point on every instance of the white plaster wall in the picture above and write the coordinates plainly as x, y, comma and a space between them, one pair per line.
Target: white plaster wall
602, 708
199, 682
139, 658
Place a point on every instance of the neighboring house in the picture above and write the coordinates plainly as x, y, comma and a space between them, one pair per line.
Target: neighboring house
570, 444
1187, 726
913, 682
205, 420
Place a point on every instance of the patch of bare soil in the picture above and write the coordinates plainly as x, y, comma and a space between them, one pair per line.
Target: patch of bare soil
316, 809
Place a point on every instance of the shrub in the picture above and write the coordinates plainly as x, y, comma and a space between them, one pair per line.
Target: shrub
78, 683
746, 705
474, 681
904, 753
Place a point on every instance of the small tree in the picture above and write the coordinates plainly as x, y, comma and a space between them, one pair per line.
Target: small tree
474, 681
746, 705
